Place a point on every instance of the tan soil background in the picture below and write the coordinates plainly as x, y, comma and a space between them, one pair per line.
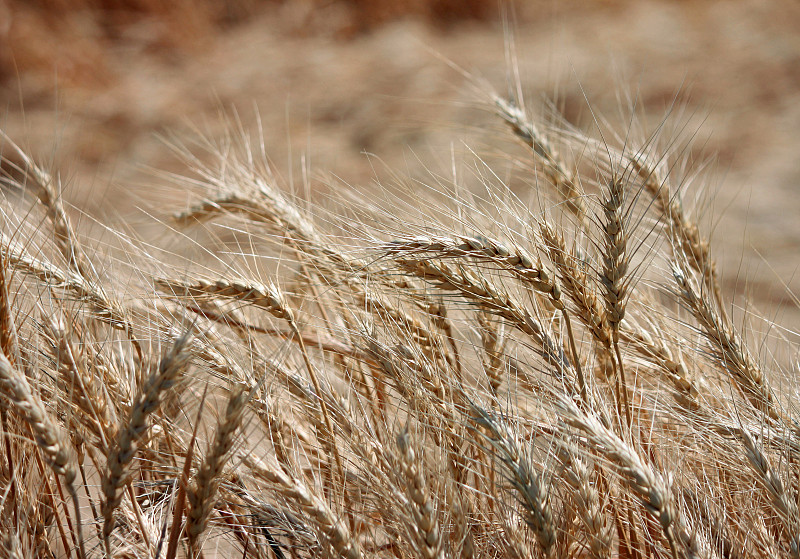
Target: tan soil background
88, 86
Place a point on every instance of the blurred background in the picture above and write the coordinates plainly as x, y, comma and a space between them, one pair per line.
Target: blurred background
91, 88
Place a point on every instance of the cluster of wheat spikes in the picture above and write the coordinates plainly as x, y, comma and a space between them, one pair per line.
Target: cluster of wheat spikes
494, 376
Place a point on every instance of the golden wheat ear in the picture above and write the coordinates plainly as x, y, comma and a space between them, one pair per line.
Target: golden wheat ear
117, 474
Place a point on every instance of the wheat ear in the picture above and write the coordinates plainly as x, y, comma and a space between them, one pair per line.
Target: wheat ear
530, 487
588, 505
493, 342
484, 249
652, 488
82, 385
651, 346
555, 169
49, 438
50, 198
428, 538
481, 292
271, 299
685, 234
294, 489
9, 340
516, 260
782, 501
727, 346
148, 400
105, 308
615, 276
576, 285
202, 494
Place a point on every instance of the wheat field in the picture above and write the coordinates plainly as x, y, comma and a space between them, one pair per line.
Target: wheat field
527, 356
